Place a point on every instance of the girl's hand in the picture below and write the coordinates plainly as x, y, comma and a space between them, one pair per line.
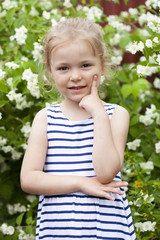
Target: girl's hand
92, 103
91, 186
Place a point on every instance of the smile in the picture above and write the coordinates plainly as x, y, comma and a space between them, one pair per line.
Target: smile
77, 87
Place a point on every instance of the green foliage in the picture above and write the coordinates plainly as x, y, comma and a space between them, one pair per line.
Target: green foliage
134, 86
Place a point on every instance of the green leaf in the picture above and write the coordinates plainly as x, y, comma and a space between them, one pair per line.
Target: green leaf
134, 120
158, 133
6, 191
126, 90
29, 218
124, 41
122, 77
2, 103
155, 160
126, 1
141, 83
10, 16
19, 219
3, 87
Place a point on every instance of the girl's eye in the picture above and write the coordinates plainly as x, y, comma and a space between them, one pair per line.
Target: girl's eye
86, 65
63, 68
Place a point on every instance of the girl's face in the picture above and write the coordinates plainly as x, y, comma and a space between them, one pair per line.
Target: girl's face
73, 66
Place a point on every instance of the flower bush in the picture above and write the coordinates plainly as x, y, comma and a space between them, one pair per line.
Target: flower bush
136, 86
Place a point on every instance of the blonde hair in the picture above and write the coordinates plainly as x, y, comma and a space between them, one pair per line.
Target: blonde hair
73, 29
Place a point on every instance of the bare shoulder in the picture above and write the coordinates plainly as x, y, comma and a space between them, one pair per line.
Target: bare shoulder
41, 117
39, 125
120, 116
121, 111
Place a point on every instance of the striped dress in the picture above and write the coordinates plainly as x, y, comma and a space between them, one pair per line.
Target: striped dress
76, 215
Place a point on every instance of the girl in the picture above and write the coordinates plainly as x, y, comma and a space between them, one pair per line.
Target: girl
76, 148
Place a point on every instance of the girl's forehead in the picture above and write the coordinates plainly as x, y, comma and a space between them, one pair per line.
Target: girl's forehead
81, 46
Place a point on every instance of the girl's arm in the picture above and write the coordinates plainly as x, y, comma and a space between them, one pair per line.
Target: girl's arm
109, 136
35, 181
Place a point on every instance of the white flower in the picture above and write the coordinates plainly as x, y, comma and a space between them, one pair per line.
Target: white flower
21, 101
3, 14
152, 26
19, 208
145, 70
133, 145
7, 230
133, 11
2, 73
26, 129
3, 141
33, 12
54, 12
141, 46
27, 75
124, 14
31, 198
157, 146
142, 19
137, 214
46, 15
16, 208
24, 146
32, 81
132, 47
139, 226
158, 59
151, 110
16, 155
148, 165
135, 47
146, 120
20, 35
149, 116
155, 39
12, 65
115, 40
67, 4
116, 59
149, 43
94, 13
148, 199
7, 4
54, 22
25, 59
143, 94
153, 3
148, 226
37, 52
7, 149
23, 236
0, 115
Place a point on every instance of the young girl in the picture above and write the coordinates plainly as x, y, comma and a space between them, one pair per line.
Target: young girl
76, 148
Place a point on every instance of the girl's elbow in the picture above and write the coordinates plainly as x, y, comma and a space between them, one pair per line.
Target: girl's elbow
24, 183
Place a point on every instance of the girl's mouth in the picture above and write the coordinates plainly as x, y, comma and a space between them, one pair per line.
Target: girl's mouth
77, 87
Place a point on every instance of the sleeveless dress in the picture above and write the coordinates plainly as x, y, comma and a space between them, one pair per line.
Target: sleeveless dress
76, 215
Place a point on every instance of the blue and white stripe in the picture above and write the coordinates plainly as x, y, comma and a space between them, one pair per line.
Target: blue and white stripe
76, 215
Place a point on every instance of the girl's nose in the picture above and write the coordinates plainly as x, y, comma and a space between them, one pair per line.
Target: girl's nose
75, 76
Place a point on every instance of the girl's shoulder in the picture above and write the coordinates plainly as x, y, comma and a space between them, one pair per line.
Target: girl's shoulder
40, 117
116, 110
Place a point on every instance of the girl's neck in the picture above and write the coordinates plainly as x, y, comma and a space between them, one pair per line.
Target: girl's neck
72, 111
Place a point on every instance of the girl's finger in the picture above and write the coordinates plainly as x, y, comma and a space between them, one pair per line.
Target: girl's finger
94, 85
118, 184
